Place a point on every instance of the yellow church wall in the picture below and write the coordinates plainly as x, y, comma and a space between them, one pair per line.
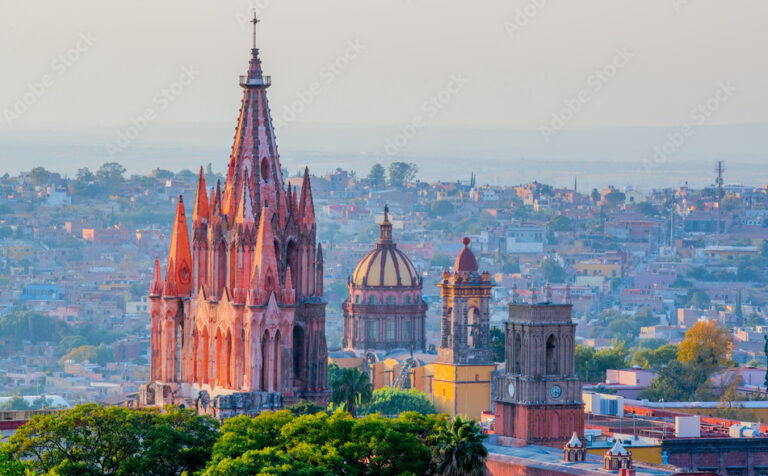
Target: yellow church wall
462, 389
646, 454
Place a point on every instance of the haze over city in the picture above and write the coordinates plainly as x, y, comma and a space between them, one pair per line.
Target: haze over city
351, 77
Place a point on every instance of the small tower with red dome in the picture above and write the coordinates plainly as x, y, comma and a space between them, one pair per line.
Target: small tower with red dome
462, 371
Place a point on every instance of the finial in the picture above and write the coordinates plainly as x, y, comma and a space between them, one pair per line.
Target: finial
466, 241
567, 293
514, 292
548, 292
386, 212
254, 21
533, 294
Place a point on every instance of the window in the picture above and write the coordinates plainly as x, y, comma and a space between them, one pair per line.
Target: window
372, 300
551, 357
390, 330
372, 330
407, 330
407, 300
357, 299
390, 300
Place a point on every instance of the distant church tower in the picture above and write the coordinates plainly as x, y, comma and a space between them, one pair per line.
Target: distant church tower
462, 371
238, 322
538, 396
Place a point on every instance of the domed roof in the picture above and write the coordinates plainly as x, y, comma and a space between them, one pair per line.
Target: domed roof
465, 261
385, 265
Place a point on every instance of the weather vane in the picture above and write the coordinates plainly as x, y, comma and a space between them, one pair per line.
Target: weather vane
254, 21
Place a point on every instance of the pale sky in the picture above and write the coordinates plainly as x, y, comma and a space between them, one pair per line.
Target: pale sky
517, 76
521, 65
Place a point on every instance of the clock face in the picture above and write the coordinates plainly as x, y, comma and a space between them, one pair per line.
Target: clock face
511, 389
555, 391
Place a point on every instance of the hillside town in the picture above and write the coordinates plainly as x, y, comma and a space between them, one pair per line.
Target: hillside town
641, 267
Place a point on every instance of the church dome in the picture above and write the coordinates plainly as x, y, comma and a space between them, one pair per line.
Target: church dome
385, 265
465, 261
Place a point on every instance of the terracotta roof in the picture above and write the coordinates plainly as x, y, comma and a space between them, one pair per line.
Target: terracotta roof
465, 261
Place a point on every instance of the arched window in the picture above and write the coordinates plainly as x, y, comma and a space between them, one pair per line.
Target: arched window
372, 330
473, 328
372, 299
298, 353
551, 357
265, 170
407, 300
518, 354
390, 300
357, 299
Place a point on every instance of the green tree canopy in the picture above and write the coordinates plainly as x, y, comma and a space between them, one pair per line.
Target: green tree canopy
552, 271
377, 175
110, 174
498, 340
93, 440
461, 450
39, 175
350, 388
655, 358
591, 364
441, 208
676, 382
401, 173
280, 443
390, 401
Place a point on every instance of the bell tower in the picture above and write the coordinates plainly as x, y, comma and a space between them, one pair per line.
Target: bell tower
462, 371
538, 395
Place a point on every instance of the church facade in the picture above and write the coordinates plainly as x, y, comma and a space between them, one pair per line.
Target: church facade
238, 320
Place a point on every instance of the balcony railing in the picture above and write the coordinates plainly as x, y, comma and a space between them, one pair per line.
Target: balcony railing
245, 82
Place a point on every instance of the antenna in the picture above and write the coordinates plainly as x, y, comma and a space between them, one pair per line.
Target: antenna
719, 169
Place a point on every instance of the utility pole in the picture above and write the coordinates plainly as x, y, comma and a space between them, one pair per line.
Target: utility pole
719, 169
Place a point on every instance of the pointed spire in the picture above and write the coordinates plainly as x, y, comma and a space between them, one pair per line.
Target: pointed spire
306, 205
156, 285
217, 209
212, 201
180, 255
547, 292
533, 294
265, 257
567, 293
200, 213
244, 213
514, 292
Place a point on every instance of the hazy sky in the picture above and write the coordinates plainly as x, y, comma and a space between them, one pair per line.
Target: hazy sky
570, 64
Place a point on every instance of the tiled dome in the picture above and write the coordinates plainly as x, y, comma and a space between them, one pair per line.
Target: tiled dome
385, 265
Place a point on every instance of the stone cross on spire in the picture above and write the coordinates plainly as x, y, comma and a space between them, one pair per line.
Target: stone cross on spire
254, 21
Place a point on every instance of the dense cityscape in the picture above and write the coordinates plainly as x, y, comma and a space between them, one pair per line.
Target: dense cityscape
257, 316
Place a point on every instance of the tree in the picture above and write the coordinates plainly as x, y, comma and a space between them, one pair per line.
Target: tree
498, 339
16, 402
460, 449
390, 401
9, 466
304, 407
110, 174
655, 359
591, 364
647, 209
279, 443
401, 173
441, 260
511, 265
39, 175
706, 345
559, 223
85, 175
441, 208
91, 439
350, 388
677, 382
552, 271
698, 298
376, 176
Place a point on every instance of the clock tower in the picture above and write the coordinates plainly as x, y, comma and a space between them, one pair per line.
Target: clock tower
537, 398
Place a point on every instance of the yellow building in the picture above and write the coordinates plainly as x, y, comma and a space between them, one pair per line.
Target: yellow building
462, 389
461, 380
598, 268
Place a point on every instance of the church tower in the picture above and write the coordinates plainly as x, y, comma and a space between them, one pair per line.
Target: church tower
238, 323
538, 395
462, 371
